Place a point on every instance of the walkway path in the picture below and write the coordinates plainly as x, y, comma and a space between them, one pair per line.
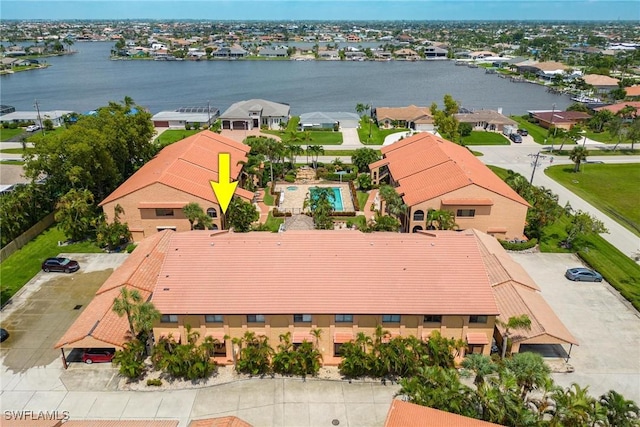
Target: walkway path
517, 159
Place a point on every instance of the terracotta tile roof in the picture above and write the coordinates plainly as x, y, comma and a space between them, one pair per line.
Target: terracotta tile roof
139, 271
477, 338
467, 202
516, 293
599, 80
308, 270
220, 422
121, 423
188, 165
426, 166
30, 423
617, 107
633, 91
411, 113
405, 414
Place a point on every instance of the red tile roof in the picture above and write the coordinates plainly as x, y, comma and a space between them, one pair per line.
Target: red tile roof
426, 166
516, 294
188, 165
633, 91
121, 423
477, 338
139, 271
406, 414
619, 106
308, 271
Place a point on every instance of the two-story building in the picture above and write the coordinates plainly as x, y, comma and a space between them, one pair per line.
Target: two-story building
431, 173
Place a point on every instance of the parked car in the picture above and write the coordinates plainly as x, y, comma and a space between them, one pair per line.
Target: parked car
523, 132
60, 264
97, 355
3, 334
515, 138
33, 128
581, 274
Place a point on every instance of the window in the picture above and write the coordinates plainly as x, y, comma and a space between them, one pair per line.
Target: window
390, 318
302, 318
432, 318
466, 212
255, 318
477, 319
212, 212
169, 318
164, 212
337, 350
418, 215
344, 318
213, 318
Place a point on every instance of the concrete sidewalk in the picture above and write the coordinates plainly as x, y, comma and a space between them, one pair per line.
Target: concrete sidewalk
518, 159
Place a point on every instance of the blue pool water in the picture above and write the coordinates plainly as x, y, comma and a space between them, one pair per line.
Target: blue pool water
337, 198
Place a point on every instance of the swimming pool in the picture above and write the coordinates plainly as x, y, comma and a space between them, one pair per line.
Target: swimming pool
337, 197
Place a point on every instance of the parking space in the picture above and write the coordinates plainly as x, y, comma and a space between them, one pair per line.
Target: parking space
45, 308
606, 326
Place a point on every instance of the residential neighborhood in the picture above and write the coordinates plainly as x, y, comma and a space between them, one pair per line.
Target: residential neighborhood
245, 263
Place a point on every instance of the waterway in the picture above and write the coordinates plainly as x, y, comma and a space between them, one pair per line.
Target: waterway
88, 79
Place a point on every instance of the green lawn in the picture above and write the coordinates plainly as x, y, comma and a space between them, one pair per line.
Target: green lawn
612, 188
606, 151
273, 223
343, 152
172, 135
12, 162
501, 172
362, 199
317, 137
17, 150
539, 134
7, 134
23, 264
377, 135
485, 138
617, 268
600, 136
268, 198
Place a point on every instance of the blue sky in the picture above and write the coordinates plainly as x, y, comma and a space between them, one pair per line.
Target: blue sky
324, 10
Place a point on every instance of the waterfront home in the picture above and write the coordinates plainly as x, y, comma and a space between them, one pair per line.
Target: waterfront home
153, 197
602, 84
431, 173
560, 119
435, 52
546, 70
412, 117
615, 108
268, 52
328, 120
26, 117
486, 120
255, 113
185, 116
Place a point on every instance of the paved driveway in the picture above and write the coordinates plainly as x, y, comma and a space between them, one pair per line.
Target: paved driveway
605, 324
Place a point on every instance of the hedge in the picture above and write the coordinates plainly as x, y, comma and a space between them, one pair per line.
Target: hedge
518, 246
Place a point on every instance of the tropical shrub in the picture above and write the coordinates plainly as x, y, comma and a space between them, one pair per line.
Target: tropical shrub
154, 382
188, 361
255, 354
130, 360
520, 246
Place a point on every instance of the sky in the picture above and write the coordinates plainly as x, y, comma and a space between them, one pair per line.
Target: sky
518, 10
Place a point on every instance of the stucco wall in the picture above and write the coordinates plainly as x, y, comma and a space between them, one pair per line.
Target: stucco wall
144, 222
504, 213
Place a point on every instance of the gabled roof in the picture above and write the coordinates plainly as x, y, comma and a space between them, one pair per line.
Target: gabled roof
410, 113
317, 272
426, 166
240, 110
139, 271
614, 108
188, 165
516, 294
405, 414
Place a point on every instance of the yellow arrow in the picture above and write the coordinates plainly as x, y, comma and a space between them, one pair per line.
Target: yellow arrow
224, 189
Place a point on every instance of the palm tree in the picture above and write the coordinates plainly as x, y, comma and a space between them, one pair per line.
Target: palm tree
361, 108
315, 151
193, 212
481, 365
514, 322
127, 304
316, 333
529, 370
619, 411
573, 407
441, 220
578, 154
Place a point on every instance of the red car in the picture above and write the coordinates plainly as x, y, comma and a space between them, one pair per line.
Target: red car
97, 355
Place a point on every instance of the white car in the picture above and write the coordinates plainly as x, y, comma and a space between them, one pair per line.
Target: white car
33, 128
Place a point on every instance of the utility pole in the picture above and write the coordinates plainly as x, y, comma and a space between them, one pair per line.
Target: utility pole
537, 157
39, 118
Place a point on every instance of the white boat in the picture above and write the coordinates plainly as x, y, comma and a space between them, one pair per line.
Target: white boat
585, 99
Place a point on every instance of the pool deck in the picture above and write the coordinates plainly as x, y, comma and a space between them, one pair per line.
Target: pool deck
294, 199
